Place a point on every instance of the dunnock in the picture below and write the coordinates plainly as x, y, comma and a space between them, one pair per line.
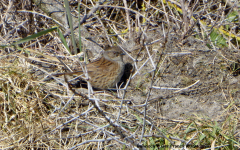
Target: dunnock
105, 72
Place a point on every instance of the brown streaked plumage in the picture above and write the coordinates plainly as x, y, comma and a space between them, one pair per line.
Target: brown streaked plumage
105, 72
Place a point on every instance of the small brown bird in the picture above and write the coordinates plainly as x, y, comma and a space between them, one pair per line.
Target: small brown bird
105, 72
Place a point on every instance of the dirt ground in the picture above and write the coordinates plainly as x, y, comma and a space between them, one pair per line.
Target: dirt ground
213, 74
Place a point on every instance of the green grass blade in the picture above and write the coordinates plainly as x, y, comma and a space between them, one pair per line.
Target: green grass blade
63, 40
34, 36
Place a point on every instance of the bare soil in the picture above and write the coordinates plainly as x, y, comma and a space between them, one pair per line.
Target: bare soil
215, 73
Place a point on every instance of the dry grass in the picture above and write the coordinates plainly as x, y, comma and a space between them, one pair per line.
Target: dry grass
42, 111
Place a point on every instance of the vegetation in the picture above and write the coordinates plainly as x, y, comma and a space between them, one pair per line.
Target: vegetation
180, 88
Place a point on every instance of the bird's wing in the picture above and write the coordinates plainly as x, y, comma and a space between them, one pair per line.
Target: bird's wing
101, 65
